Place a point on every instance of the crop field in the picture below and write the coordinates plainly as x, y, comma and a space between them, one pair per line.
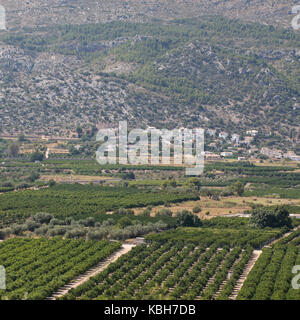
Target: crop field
173, 270
189, 254
36, 268
229, 236
74, 200
271, 277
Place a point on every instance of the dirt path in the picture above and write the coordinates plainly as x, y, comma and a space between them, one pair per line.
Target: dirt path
255, 255
92, 272
283, 236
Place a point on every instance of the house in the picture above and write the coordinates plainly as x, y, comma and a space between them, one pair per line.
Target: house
252, 133
211, 156
77, 147
252, 150
211, 132
223, 135
295, 158
292, 156
235, 138
226, 154
271, 153
248, 140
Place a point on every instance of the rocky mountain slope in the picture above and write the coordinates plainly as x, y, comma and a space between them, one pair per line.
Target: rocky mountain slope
33, 13
209, 71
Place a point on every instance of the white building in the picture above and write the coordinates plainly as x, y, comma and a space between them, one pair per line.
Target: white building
292, 156
223, 135
211, 132
271, 153
235, 138
226, 154
252, 133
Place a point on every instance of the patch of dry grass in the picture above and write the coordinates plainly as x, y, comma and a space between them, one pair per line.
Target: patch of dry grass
225, 206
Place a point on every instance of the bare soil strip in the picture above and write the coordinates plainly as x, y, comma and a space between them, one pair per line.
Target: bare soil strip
92, 272
255, 255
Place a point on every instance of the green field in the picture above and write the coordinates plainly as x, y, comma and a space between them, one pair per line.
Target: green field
83, 200
36, 268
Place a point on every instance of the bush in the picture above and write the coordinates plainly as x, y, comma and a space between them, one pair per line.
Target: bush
270, 217
197, 209
146, 213
51, 183
187, 219
33, 177
107, 223
56, 222
41, 231
37, 156
124, 222
98, 234
164, 213
89, 222
42, 217
18, 229
4, 233
32, 225
226, 193
75, 233
238, 188
57, 231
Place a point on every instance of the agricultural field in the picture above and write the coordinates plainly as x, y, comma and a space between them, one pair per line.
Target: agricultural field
36, 268
200, 240
76, 200
215, 79
189, 264
271, 277
228, 236
173, 270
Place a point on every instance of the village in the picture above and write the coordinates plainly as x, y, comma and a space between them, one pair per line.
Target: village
219, 145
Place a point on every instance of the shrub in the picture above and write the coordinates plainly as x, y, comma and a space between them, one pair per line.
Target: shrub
124, 222
187, 219
57, 231
32, 225
197, 209
42, 217
270, 217
4, 233
164, 213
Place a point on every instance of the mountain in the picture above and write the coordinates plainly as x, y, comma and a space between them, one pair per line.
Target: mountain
37, 13
186, 68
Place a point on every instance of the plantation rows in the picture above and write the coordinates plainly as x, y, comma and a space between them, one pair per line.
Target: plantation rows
76, 200
232, 237
271, 277
170, 270
293, 238
35, 268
